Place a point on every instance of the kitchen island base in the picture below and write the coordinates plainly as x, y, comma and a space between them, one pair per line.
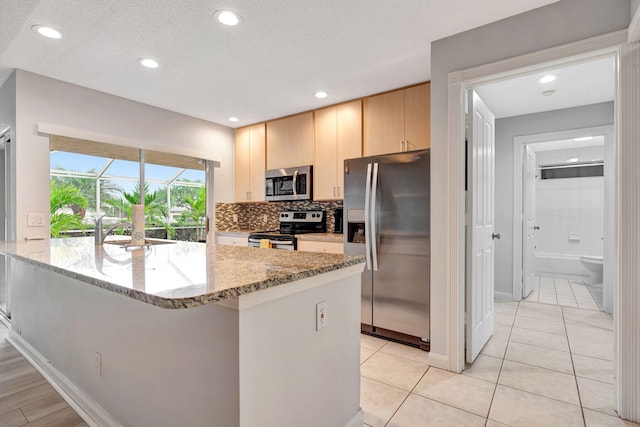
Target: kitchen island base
256, 360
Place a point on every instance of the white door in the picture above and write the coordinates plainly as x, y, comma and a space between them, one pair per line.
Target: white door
529, 221
480, 225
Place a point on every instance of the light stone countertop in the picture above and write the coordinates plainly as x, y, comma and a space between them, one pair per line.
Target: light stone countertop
178, 275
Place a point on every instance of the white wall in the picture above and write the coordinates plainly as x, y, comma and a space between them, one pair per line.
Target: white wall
570, 211
531, 124
85, 112
548, 26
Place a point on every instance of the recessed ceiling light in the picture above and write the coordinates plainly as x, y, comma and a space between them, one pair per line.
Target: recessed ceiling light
548, 92
572, 160
547, 79
234, 119
227, 17
148, 62
584, 138
49, 32
321, 94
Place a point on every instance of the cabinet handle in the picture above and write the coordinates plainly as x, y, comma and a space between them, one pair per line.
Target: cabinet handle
401, 145
407, 145
248, 195
337, 191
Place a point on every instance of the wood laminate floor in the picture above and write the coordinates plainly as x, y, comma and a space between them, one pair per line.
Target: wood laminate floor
26, 399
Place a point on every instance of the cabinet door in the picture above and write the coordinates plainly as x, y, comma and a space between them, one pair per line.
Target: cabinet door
417, 116
290, 141
257, 162
349, 139
312, 246
232, 240
384, 123
242, 156
325, 165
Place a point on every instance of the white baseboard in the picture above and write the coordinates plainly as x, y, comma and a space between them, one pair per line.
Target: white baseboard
503, 296
438, 360
87, 408
6, 322
357, 420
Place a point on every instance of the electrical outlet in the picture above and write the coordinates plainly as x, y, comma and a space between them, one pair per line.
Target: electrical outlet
235, 217
265, 218
98, 364
35, 220
321, 316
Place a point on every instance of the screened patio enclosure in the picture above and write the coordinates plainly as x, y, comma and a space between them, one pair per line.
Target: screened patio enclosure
91, 179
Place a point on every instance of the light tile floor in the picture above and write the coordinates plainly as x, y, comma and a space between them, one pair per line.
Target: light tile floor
546, 365
567, 293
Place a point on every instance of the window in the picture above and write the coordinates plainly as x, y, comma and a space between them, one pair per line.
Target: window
574, 170
90, 179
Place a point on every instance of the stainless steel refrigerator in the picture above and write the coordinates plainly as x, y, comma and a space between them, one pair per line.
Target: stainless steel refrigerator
386, 218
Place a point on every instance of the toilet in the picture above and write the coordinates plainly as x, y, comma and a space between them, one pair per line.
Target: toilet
594, 265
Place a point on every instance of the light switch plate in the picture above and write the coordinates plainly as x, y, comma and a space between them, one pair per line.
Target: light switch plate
35, 220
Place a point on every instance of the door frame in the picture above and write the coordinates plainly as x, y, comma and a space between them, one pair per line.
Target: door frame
519, 142
9, 219
454, 211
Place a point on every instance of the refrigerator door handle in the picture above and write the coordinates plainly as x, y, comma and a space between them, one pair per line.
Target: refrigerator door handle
374, 240
367, 199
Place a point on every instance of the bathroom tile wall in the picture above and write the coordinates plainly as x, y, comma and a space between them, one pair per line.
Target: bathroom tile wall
570, 211
250, 216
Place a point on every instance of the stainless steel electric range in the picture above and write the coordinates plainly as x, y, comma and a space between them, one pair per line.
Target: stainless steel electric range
291, 223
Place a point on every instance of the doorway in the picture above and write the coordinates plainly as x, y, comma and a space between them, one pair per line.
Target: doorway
574, 193
4, 173
536, 77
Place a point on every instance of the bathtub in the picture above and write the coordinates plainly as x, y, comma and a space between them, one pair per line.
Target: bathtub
560, 265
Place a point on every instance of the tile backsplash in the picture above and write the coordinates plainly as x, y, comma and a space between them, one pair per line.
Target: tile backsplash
250, 216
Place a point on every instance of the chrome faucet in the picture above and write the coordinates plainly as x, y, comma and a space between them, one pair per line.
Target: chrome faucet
101, 234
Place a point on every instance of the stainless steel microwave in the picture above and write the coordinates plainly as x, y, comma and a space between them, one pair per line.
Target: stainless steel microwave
289, 184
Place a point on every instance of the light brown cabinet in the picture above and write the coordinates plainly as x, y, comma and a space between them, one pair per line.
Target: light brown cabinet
314, 246
338, 136
397, 121
250, 163
290, 141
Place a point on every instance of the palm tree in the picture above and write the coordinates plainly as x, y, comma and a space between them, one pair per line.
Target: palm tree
65, 196
155, 212
87, 186
197, 212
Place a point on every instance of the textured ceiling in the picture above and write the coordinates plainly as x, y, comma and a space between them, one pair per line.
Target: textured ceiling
268, 66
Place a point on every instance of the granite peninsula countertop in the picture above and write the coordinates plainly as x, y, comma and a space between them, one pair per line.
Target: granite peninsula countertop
176, 275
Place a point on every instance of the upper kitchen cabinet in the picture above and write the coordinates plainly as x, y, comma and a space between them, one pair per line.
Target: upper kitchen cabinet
290, 141
397, 121
338, 136
250, 163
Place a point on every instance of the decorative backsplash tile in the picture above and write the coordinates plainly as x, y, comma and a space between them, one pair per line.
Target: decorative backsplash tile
250, 216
